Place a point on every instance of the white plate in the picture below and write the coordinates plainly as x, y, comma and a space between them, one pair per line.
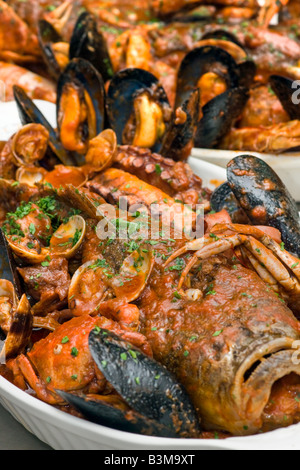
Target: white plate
287, 166
64, 432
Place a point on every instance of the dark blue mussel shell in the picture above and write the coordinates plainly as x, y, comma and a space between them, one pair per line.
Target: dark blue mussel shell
264, 198
161, 406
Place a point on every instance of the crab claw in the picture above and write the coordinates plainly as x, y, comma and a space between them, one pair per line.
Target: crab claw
145, 385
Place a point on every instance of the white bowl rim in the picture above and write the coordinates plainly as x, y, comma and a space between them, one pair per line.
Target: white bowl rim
56, 417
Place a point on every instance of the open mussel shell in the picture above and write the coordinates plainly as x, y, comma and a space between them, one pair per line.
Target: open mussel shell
100, 412
30, 114
219, 115
264, 198
200, 61
125, 88
145, 385
89, 43
83, 80
48, 37
286, 92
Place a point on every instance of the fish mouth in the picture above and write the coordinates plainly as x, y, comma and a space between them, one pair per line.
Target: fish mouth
255, 378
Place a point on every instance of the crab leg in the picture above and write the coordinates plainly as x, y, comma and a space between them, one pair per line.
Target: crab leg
291, 261
195, 245
216, 248
266, 257
261, 270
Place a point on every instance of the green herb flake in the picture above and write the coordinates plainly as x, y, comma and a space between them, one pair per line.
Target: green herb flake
217, 333
74, 352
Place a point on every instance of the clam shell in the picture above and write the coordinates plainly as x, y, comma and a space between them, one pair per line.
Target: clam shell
67, 240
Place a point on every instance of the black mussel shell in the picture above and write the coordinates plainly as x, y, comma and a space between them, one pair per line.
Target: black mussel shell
8, 265
287, 93
100, 412
88, 43
223, 198
247, 72
122, 92
146, 386
264, 198
203, 60
47, 36
86, 78
30, 114
83, 74
219, 115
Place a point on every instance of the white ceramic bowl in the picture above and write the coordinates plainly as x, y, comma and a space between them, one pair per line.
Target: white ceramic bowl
62, 431
287, 166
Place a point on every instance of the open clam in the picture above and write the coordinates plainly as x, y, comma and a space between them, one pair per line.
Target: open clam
31, 175
65, 242
29, 145
101, 152
96, 282
63, 175
68, 238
